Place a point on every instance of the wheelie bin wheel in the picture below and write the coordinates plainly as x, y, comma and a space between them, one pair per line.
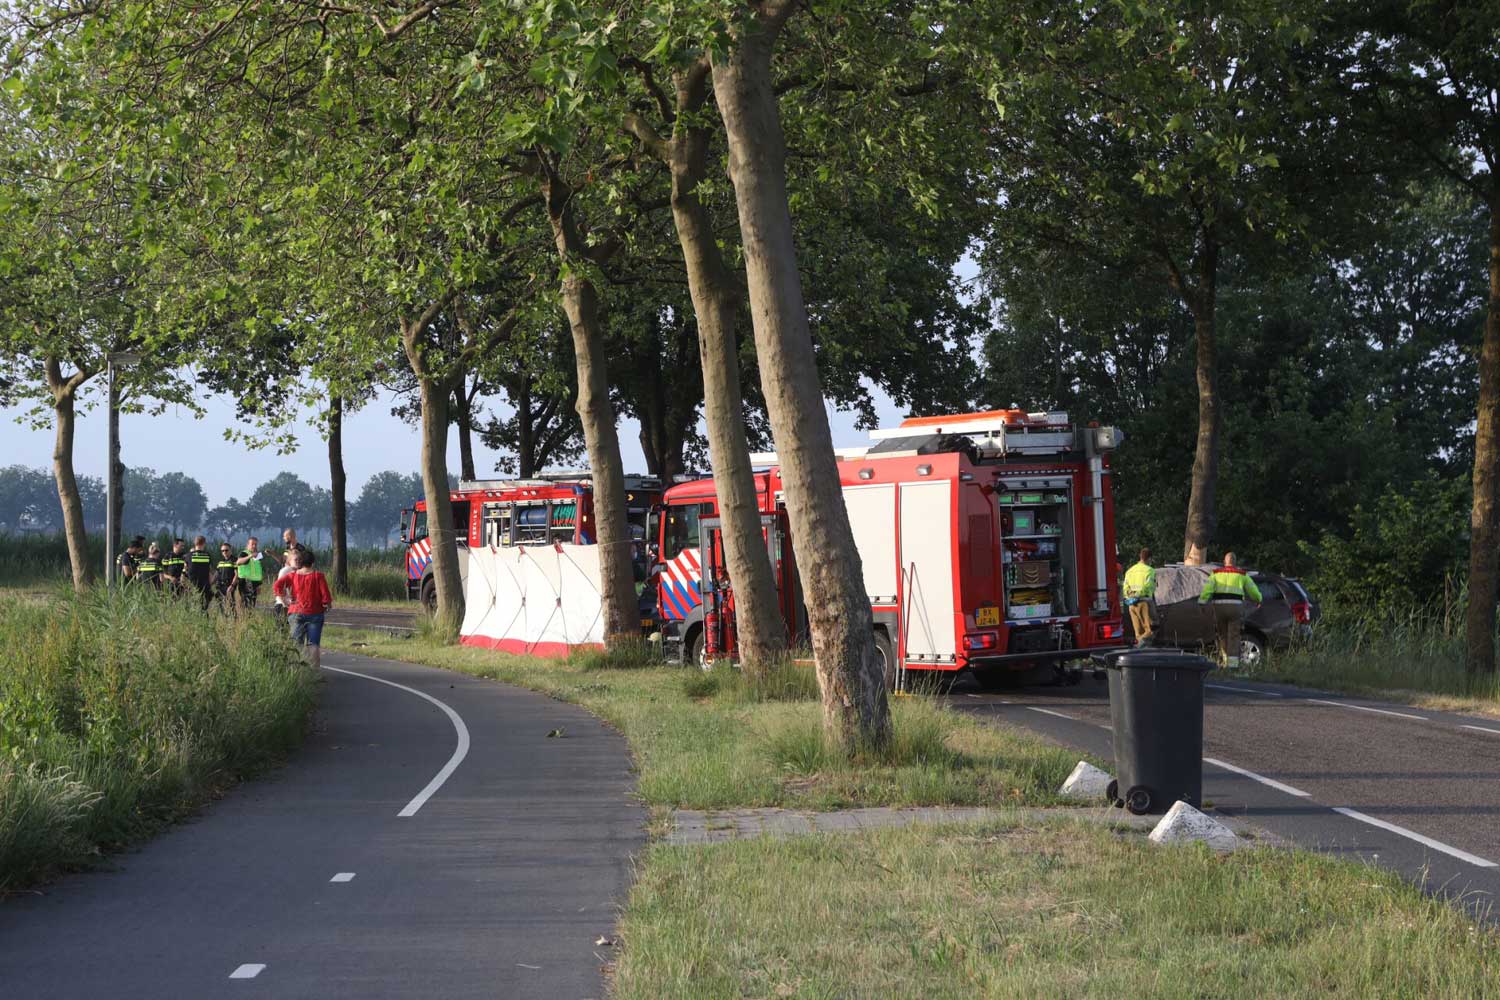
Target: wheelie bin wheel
1112, 793
1138, 799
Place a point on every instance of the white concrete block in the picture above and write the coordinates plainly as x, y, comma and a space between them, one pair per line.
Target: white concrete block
1183, 824
1086, 782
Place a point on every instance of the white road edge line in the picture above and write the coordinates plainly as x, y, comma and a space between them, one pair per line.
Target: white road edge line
1436, 845
1269, 782
459, 752
248, 971
1048, 711
1482, 729
343, 877
1261, 694
1366, 708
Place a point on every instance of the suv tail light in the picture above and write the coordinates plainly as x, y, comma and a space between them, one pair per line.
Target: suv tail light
1110, 630
1302, 613
980, 641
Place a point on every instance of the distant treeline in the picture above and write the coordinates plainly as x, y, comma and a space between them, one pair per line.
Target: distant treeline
174, 502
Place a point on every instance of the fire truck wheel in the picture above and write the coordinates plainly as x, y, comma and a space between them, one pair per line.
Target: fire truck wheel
429, 596
695, 651
887, 659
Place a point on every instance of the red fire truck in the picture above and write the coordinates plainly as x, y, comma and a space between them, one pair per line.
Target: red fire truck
551, 508
987, 542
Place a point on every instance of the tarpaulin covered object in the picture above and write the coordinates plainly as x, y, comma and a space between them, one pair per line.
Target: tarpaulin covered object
542, 600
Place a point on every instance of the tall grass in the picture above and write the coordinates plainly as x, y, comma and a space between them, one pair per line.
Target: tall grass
120, 713
30, 561
376, 574
1420, 649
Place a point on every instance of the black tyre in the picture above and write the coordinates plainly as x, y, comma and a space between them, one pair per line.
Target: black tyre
1112, 793
887, 654
1138, 800
429, 596
696, 648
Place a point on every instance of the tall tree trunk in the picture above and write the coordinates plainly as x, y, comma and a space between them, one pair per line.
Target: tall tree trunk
1202, 515
435, 418
855, 710
338, 485
581, 304
465, 421
716, 306
1484, 520
67, 490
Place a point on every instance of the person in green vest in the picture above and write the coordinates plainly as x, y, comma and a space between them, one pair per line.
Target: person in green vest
148, 569
250, 567
1140, 594
1228, 588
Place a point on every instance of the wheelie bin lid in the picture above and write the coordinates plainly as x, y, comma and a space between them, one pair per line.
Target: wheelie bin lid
1156, 659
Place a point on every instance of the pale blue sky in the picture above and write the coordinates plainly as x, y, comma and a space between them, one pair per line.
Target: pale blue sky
177, 441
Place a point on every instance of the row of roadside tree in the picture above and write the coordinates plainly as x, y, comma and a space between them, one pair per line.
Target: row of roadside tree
715, 201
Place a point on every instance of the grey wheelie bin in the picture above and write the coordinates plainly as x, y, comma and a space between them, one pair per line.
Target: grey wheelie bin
1156, 709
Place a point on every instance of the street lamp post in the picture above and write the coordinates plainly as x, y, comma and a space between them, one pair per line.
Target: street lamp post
112, 361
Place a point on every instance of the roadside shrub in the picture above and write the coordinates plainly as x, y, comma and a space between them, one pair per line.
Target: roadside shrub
1409, 549
120, 713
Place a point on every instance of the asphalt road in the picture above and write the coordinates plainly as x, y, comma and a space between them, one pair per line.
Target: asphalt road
396, 619
411, 849
1417, 788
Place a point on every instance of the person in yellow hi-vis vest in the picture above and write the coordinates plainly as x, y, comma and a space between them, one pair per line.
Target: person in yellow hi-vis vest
1227, 589
1140, 592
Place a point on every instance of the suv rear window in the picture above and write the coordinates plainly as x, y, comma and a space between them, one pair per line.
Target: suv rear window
1268, 589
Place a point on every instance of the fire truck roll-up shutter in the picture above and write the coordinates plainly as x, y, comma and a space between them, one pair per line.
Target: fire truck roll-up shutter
537, 599
872, 516
927, 569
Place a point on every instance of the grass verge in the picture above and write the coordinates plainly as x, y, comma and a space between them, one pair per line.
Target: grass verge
1056, 910
119, 714
1417, 660
715, 742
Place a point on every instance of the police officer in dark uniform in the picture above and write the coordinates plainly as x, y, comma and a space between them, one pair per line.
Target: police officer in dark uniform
148, 569
129, 560
200, 571
224, 584
173, 566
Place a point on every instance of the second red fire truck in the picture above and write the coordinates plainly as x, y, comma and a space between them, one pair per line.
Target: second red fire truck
553, 508
987, 542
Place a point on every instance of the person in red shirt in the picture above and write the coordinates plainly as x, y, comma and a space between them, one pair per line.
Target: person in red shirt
308, 598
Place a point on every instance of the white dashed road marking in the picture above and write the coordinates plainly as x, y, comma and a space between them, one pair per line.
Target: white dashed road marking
1259, 694
1048, 711
459, 752
1482, 729
1366, 708
248, 971
1436, 845
343, 877
1269, 782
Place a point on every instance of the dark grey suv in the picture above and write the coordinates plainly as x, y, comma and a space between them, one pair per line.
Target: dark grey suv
1286, 614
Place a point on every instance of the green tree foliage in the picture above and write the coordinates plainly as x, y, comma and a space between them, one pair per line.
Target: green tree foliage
1340, 380
1405, 552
